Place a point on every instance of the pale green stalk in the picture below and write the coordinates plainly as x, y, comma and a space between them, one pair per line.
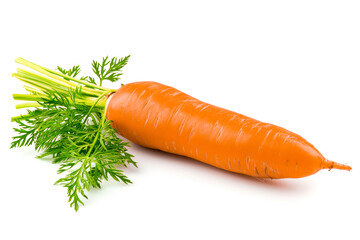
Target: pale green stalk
27, 105
55, 74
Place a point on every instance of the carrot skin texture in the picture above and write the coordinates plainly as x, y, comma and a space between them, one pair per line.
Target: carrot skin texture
157, 116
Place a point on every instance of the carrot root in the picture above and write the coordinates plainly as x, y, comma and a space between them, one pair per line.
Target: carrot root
327, 164
157, 116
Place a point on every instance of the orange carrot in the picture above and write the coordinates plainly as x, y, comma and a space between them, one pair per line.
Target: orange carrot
161, 117
74, 121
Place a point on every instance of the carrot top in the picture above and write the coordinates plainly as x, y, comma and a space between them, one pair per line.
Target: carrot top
67, 121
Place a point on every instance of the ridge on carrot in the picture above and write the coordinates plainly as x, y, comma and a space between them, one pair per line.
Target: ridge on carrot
74, 121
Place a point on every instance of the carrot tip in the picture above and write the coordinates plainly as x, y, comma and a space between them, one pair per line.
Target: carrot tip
327, 164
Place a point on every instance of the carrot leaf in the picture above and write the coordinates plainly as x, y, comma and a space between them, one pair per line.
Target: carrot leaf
109, 69
67, 122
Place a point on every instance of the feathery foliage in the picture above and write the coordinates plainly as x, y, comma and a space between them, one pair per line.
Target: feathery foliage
68, 123
109, 69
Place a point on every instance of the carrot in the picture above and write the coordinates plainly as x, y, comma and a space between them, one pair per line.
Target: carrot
161, 117
75, 120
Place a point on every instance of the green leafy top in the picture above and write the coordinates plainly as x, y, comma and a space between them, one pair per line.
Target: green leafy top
72, 72
67, 122
109, 69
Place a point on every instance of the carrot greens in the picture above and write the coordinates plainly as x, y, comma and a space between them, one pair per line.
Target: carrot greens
66, 120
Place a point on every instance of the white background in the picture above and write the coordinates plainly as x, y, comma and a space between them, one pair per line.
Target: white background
291, 63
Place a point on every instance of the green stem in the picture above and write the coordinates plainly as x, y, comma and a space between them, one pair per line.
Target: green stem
57, 75
27, 105
28, 97
33, 90
51, 84
33, 83
89, 101
95, 103
56, 80
101, 123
